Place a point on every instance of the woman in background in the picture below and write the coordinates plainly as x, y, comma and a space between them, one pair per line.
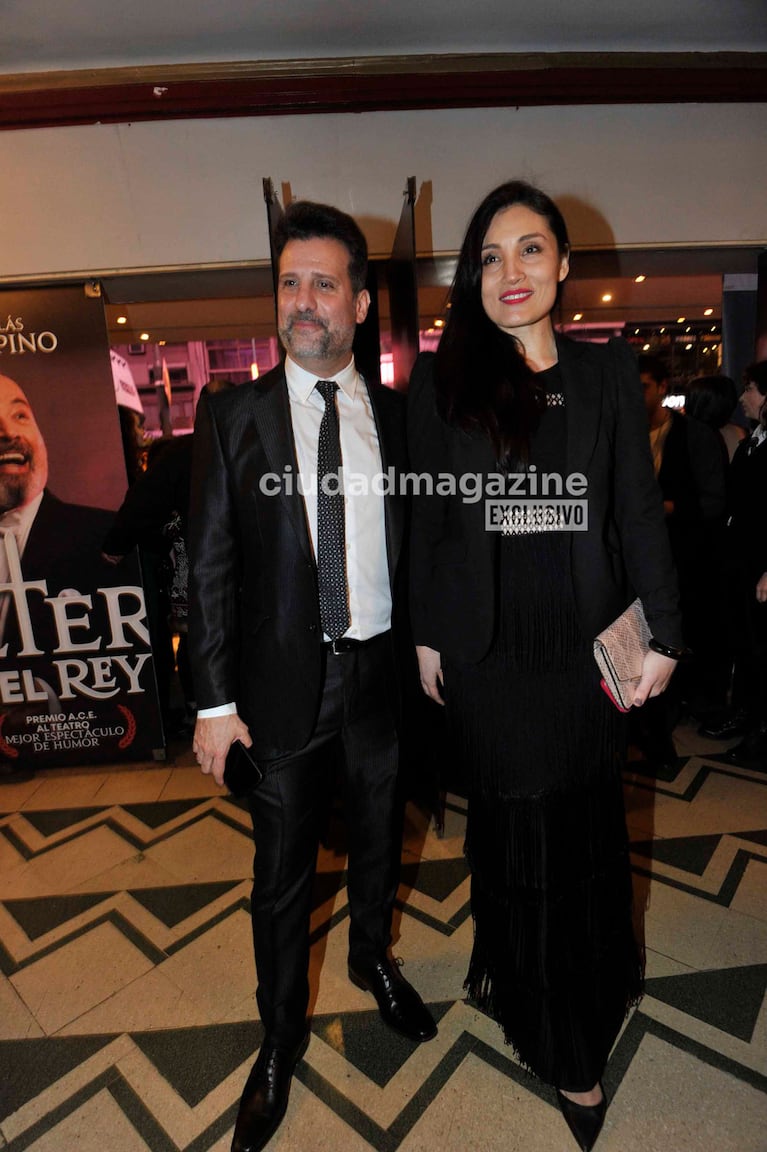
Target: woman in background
504, 624
713, 400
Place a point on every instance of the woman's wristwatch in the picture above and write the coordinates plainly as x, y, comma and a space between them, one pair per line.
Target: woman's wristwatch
667, 650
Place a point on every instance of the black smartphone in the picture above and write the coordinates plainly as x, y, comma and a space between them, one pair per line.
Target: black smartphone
241, 771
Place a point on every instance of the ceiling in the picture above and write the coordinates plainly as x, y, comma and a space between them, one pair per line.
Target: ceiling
83, 62
40, 35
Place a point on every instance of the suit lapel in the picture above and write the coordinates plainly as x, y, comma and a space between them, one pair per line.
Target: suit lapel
46, 540
582, 385
271, 414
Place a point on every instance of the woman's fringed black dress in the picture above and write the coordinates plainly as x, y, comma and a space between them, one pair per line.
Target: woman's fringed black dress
555, 960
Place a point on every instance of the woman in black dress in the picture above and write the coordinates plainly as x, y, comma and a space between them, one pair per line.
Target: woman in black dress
504, 623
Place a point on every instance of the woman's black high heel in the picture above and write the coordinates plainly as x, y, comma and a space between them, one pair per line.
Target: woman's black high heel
584, 1120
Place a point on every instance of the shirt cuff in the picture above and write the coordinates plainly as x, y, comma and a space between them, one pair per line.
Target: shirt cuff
219, 710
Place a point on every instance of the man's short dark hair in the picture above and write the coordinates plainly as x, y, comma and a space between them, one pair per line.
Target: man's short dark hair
652, 366
757, 374
307, 220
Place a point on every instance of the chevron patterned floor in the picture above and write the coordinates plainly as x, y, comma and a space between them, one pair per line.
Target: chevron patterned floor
128, 1020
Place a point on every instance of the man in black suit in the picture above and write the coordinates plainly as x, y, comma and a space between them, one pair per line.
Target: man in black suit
294, 600
690, 464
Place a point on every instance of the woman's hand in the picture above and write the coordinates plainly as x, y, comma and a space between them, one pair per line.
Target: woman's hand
657, 670
430, 668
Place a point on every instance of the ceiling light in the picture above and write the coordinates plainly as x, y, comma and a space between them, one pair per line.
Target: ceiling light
439, 323
122, 319
662, 331
639, 279
144, 337
578, 316
688, 347
606, 297
645, 347
681, 319
708, 312
162, 343
713, 327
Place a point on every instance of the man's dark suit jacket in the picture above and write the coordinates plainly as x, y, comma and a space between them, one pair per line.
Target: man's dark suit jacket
152, 500
747, 508
254, 613
64, 545
64, 549
693, 477
625, 551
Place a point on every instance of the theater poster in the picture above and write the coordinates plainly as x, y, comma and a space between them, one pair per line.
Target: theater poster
77, 681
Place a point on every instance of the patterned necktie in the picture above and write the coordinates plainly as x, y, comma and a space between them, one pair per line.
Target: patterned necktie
331, 529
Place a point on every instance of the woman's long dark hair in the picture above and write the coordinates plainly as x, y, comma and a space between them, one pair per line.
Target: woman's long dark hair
711, 399
481, 379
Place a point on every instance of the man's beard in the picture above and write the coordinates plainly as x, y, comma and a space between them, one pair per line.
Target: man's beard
13, 491
14, 488
325, 345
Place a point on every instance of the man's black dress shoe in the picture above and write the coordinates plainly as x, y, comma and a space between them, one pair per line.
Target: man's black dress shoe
584, 1120
398, 1002
751, 752
736, 724
264, 1099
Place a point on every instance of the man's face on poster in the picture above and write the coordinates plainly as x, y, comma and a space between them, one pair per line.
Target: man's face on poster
23, 455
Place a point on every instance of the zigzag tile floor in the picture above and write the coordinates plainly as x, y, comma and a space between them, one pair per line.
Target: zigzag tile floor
128, 1021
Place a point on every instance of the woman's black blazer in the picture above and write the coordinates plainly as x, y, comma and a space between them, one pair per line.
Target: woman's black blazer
625, 551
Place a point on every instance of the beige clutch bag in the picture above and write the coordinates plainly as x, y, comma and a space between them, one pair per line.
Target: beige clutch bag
620, 651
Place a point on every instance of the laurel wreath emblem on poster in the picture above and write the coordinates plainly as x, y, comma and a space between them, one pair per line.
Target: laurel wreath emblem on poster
130, 730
